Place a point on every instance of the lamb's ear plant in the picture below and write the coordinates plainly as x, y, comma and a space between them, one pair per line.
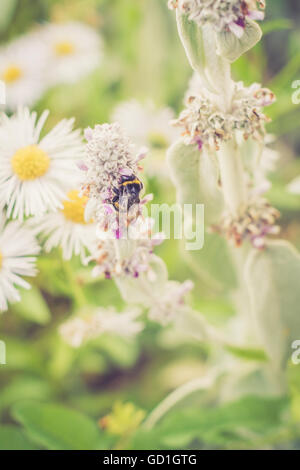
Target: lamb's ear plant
219, 162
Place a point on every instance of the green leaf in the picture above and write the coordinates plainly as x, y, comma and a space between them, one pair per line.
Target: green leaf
231, 47
23, 356
217, 271
284, 79
133, 290
51, 275
272, 276
201, 50
33, 307
12, 438
192, 39
237, 422
282, 199
57, 427
7, 10
247, 353
121, 352
216, 310
277, 24
195, 176
22, 388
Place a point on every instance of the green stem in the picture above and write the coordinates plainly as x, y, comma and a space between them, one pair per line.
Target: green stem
77, 291
202, 383
232, 176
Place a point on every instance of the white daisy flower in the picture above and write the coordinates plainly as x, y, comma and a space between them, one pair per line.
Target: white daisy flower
145, 124
22, 69
17, 249
68, 229
104, 320
36, 173
72, 50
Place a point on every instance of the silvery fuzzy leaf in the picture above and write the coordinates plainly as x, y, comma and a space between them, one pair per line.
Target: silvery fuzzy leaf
201, 50
231, 47
272, 276
141, 290
216, 272
195, 176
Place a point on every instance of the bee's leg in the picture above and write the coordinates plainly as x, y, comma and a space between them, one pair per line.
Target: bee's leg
115, 203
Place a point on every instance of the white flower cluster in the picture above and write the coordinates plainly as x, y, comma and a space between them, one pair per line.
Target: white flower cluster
128, 255
254, 224
109, 155
49, 55
18, 250
206, 124
36, 172
170, 303
104, 320
223, 15
39, 177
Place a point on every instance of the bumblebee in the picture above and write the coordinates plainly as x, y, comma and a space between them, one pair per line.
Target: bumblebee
129, 190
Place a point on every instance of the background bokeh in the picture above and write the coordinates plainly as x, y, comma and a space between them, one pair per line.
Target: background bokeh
143, 59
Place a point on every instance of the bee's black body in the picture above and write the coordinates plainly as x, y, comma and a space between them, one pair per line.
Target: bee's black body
129, 188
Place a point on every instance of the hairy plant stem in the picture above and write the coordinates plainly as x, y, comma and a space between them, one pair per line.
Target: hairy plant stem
78, 294
202, 383
232, 176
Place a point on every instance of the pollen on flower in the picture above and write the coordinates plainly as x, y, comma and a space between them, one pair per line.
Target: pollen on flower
109, 156
253, 224
64, 48
74, 207
223, 15
30, 162
204, 123
12, 74
114, 258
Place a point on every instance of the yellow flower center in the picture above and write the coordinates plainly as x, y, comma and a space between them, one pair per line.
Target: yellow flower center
64, 48
30, 162
74, 207
12, 74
